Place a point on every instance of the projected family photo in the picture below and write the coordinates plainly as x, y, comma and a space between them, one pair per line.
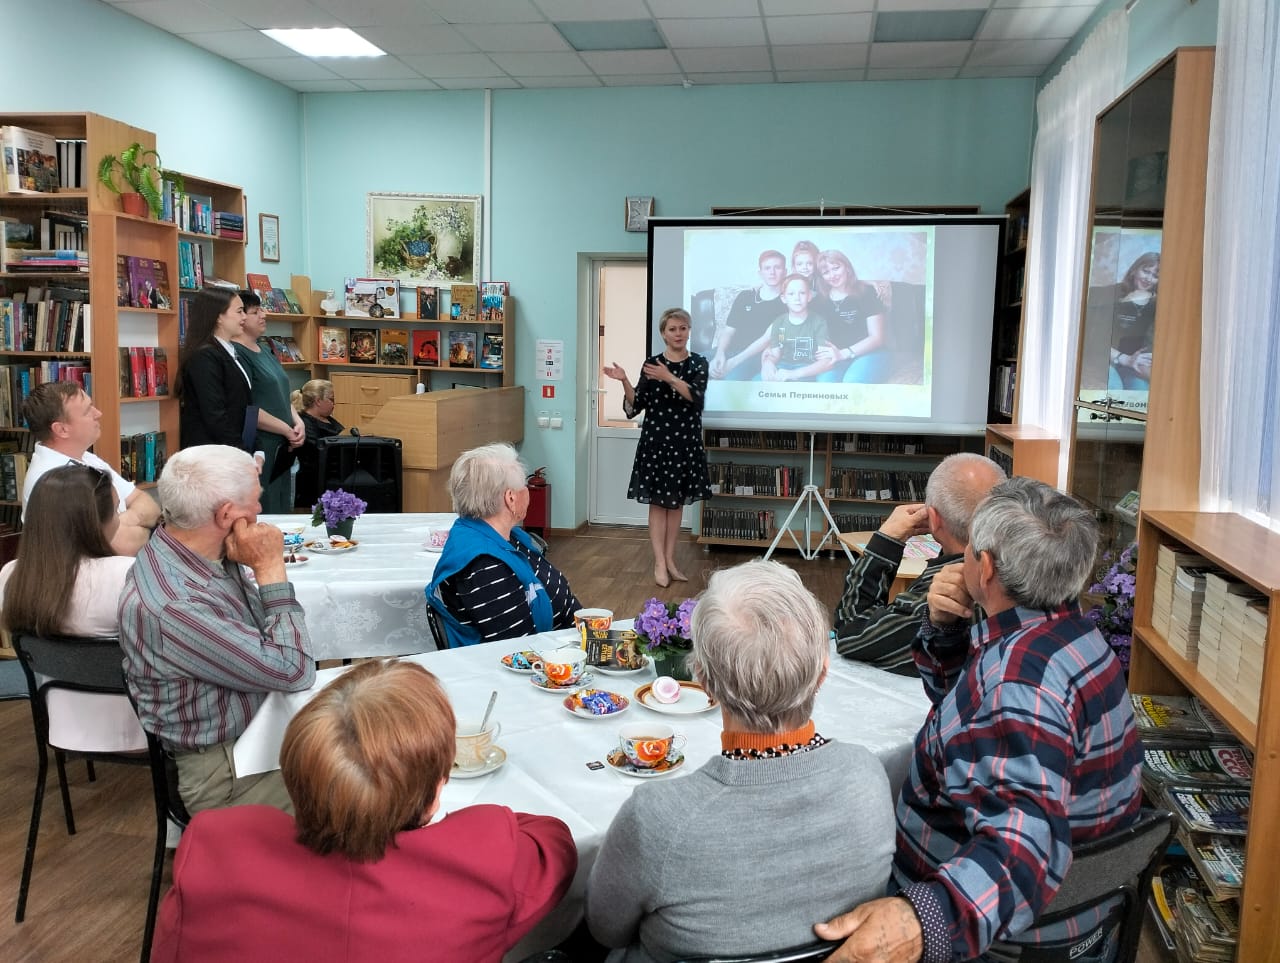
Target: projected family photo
1119, 319
847, 305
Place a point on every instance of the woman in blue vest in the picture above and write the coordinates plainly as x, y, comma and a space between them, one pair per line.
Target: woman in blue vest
491, 582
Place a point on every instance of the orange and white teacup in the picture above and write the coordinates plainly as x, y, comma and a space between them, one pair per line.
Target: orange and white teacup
559, 667
598, 620
646, 744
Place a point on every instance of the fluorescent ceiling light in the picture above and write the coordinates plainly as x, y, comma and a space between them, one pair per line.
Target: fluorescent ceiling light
325, 42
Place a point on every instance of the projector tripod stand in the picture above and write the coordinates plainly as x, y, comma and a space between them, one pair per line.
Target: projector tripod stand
809, 497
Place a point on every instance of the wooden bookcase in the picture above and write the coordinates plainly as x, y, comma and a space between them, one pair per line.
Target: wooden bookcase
1024, 450
223, 257
110, 233
1006, 334
1252, 554
847, 467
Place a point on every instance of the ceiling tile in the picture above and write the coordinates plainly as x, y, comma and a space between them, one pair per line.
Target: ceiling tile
486, 11
903, 6
630, 61
1037, 22
778, 8
417, 38
724, 32
323, 86
406, 83
585, 80
369, 68
237, 44
833, 28
663, 9
540, 64
709, 59
189, 16
286, 69
514, 37
911, 73
641, 80
974, 72
712, 80
942, 53
368, 13
557, 10
836, 56
276, 13
1091, 4
438, 66
821, 76
476, 83
1015, 52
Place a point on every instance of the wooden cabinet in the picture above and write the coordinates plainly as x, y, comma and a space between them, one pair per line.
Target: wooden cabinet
359, 397
1251, 553
758, 475
1024, 450
1006, 333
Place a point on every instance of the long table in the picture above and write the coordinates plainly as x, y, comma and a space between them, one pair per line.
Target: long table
548, 748
368, 601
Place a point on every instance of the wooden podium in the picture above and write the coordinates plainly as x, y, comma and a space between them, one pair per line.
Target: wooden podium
436, 427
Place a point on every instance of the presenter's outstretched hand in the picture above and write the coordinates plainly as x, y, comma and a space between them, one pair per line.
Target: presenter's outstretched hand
616, 372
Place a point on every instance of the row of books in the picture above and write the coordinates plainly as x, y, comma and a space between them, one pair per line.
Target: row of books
30, 161
737, 523
1002, 458
392, 346
279, 300
142, 282
877, 485
45, 261
64, 230
13, 471
144, 372
45, 319
1003, 386
17, 380
142, 456
731, 478
229, 225
768, 440
1193, 925
286, 349
195, 214
862, 443
190, 265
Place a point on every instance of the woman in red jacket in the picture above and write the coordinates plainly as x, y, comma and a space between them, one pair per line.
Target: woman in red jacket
369, 869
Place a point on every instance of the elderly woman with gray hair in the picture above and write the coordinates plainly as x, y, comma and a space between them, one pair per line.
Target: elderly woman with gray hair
492, 582
680, 871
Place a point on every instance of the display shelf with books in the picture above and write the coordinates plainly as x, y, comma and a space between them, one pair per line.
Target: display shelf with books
756, 475
1006, 332
210, 217
1027, 450
1248, 555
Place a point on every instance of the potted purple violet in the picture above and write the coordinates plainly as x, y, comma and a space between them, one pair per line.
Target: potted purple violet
338, 510
664, 629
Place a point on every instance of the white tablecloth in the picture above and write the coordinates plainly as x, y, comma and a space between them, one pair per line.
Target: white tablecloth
548, 748
368, 601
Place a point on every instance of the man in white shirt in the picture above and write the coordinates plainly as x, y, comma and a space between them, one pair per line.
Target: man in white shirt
65, 425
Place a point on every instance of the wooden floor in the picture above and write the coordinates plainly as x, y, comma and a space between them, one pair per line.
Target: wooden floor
88, 891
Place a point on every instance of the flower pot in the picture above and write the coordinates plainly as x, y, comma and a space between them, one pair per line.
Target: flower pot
343, 528
674, 664
135, 204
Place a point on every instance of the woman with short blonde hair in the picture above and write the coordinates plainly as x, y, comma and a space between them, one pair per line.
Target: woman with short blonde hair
314, 402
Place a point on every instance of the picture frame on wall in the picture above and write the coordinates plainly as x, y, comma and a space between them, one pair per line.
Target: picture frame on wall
424, 239
269, 237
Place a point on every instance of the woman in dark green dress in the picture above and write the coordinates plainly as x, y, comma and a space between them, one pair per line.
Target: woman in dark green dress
280, 428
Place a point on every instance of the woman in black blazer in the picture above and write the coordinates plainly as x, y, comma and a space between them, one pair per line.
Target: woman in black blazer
211, 386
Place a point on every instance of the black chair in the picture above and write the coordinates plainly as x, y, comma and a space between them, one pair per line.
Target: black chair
819, 950
1111, 874
367, 466
79, 706
436, 624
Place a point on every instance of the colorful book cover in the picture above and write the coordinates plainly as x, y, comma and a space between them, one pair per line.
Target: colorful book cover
295, 349
126, 373
279, 303
395, 346
428, 304
30, 161
426, 349
364, 345
138, 369
123, 297
333, 344
499, 288
257, 283
462, 349
493, 307
163, 297
292, 300
158, 370
372, 298
491, 350
278, 348
462, 302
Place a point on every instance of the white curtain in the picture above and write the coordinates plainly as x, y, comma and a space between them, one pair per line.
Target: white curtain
1061, 166
1240, 360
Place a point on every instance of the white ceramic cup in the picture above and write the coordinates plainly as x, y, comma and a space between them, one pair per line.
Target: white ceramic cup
559, 667
646, 744
476, 747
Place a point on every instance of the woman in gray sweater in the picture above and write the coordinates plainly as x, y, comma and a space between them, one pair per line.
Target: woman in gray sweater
744, 854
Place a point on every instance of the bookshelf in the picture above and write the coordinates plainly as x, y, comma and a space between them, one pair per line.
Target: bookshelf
1024, 450
757, 475
109, 233
1006, 334
202, 235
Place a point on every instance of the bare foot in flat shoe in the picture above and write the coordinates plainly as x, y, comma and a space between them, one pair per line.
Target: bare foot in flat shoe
661, 578
676, 574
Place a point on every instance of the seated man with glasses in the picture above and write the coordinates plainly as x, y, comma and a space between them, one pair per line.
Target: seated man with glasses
66, 425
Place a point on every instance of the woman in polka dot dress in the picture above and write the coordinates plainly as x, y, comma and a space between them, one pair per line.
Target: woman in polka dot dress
671, 464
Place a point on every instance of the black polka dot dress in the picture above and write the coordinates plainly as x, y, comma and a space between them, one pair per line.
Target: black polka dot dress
671, 464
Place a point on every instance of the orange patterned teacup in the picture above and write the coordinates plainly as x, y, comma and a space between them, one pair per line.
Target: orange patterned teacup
597, 620
647, 744
559, 667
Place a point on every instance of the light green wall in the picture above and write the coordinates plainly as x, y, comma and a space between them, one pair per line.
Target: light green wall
211, 118
564, 160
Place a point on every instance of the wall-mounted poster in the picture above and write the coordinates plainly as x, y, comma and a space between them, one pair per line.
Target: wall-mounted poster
424, 239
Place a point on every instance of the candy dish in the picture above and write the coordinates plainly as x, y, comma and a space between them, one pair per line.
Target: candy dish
519, 661
607, 704
582, 681
323, 546
618, 762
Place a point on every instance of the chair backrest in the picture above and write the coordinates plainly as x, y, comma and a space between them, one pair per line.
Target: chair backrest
818, 950
364, 465
78, 697
1109, 876
438, 633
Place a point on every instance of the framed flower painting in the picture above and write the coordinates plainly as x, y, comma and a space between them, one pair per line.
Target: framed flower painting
425, 238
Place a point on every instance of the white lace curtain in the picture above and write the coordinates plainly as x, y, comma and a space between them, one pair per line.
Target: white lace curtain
1060, 172
1240, 360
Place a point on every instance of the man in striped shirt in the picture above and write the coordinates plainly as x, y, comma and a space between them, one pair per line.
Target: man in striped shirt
869, 627
204, 642
1030, 747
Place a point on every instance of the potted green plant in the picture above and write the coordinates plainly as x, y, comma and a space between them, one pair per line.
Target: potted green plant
140, 169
